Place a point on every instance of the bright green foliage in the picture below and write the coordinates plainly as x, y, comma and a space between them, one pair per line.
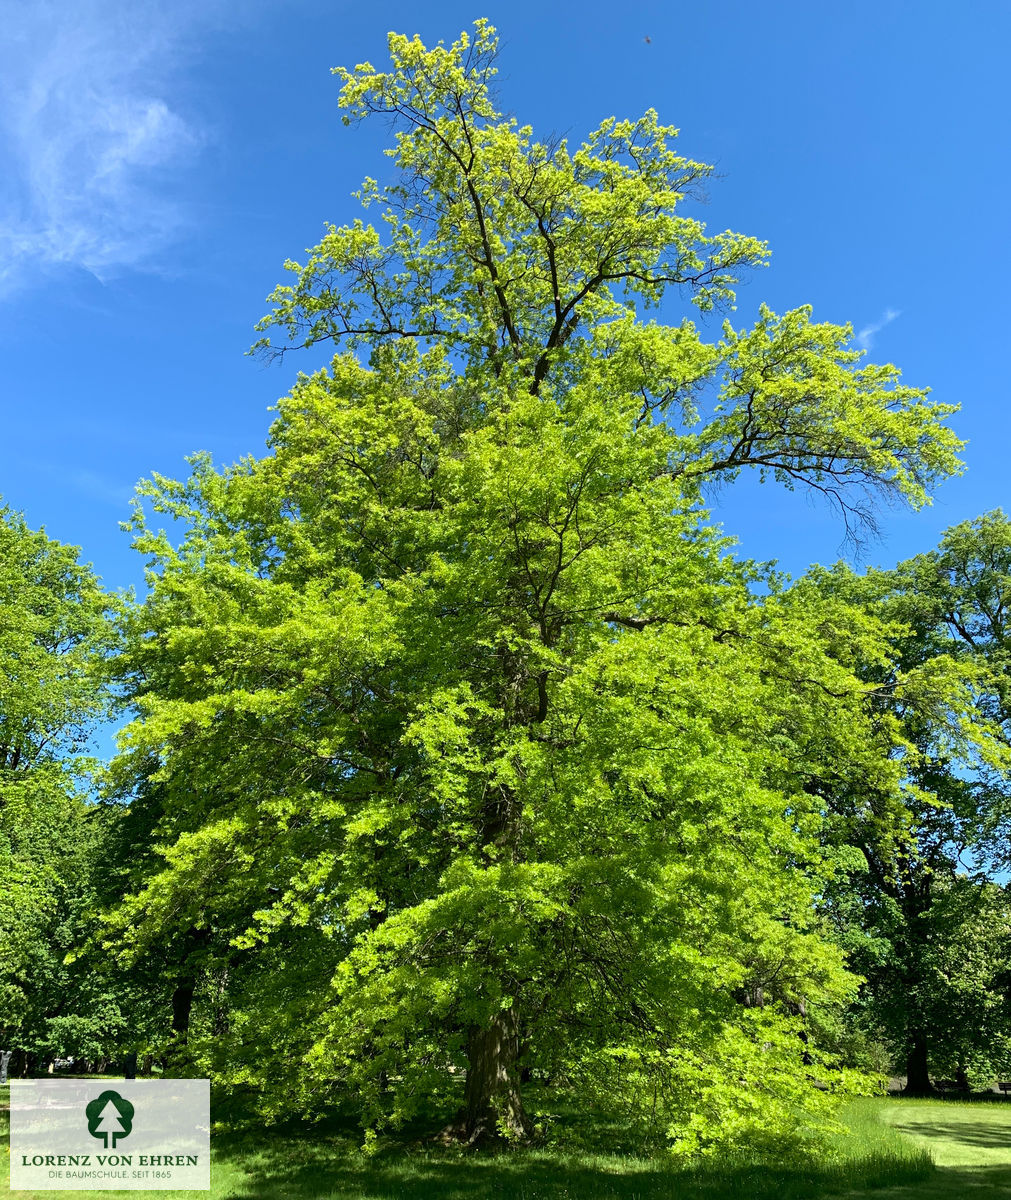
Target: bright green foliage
52, 627
518, 258
473, 747
420, 789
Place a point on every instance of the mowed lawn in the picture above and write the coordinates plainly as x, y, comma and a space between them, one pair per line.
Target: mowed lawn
970, 1143
886, 1153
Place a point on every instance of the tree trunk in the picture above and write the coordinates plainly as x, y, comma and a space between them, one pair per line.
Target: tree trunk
917, 1074
190, 969
493, 1105
176, 1057
182, 1004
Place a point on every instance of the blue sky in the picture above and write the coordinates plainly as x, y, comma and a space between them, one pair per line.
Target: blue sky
160, 161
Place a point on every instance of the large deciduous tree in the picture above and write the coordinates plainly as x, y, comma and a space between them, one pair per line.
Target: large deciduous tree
465, 725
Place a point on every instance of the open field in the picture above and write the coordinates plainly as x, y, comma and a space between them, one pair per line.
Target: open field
886, 1153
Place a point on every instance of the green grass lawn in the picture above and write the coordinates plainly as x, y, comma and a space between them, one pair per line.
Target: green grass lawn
969, 1141
886, 1153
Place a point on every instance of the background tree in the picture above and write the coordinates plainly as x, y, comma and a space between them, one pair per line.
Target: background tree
53, 628
920, 892
155, 991
465, 723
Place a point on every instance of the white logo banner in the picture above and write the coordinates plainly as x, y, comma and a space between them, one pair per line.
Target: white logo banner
82, 1135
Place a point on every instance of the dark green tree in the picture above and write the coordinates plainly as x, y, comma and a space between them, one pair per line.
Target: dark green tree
926, 853
53, 634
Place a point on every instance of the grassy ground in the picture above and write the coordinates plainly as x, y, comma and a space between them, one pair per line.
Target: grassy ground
970, 1141
885, 1154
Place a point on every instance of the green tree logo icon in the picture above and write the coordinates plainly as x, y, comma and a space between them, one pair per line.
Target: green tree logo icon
110, 1115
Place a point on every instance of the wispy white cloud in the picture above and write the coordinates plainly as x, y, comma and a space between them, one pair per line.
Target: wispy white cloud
93, 141
865, 338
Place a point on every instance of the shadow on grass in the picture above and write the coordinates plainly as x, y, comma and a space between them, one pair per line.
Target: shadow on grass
946, 1183
969, 1133
329, 1168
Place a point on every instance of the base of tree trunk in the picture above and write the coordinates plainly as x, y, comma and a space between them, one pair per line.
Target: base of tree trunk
493, 1113
917, 1069
483, 1135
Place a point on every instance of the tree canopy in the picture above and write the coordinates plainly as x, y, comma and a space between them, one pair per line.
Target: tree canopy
520, 261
